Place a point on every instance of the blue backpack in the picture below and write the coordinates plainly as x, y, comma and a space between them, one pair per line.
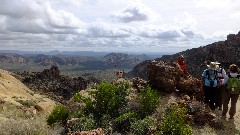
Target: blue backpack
208, 76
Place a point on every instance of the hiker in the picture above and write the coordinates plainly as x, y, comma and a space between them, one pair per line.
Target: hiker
119, 73
207, 62
181, 62
231, 91
221, 74
209, 84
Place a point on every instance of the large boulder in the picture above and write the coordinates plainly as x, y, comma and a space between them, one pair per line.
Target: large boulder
167, 76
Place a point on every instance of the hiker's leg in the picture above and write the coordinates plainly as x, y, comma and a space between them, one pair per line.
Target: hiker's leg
206, 95
234, 98
212, 96
219, 97
225, 101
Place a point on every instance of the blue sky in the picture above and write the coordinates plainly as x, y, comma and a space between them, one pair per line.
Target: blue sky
116, 25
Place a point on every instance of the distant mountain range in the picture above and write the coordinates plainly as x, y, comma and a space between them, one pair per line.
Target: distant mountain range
81, 53
91, 62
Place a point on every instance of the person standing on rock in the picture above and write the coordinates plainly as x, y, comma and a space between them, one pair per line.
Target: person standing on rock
182, 64
229, 92
221, 74
209, 85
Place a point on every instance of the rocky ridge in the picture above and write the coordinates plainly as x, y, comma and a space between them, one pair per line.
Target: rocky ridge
226, 52
50, 82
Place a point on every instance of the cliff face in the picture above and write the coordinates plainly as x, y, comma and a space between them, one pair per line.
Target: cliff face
226, 52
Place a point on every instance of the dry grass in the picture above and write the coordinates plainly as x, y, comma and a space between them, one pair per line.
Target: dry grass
16, 121
35, 126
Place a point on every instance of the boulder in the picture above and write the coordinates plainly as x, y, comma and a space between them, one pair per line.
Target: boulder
167, 76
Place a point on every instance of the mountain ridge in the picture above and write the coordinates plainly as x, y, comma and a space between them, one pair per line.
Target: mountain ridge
226, 52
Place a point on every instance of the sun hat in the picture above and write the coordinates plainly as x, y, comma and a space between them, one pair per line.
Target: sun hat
217, 63
234, 68
212, 65
207, 62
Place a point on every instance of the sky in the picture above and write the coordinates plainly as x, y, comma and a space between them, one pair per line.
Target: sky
116, 25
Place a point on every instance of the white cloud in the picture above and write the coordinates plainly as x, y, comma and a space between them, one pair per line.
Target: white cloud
63, 19
20, 8
235, 15
137, 12
210, 4
136, 25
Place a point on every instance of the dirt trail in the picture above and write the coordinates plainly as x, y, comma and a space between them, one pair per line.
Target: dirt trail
231, 126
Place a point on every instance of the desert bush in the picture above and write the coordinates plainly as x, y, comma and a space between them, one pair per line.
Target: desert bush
106, 123
27, 103
141, 127
109, 99
173, 122
34, 126
124, 85
88, 102
123, 122
58, 114
149, 100
108, 109
84, 123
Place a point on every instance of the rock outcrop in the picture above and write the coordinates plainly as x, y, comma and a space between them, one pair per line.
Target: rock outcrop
166, 76
61, 88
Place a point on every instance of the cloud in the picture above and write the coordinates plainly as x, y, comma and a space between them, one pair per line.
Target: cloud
144, 25
220, 35
62, 19
103, 31
235, 15
37, 17
19, 8
211, 4
133, 13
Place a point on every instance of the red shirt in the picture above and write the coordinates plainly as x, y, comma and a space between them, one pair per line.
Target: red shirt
183, 66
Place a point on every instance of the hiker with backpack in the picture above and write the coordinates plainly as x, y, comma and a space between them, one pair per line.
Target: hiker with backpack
209, 85
221, 74
232, 91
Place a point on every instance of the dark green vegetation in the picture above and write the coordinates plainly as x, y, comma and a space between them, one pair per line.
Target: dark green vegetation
173, 122
59, 114
111, 107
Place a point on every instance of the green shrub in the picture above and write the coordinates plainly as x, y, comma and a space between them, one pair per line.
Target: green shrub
173, 122
141, 127
81, 99
59, 114
123, 85
149, 100
123, 122
109, 100
84, 123
27, 103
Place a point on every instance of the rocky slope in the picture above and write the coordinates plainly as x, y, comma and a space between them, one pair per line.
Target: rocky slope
50, 82
13, 91
226, 52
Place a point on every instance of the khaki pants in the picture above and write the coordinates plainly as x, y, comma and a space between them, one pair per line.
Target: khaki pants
226, 98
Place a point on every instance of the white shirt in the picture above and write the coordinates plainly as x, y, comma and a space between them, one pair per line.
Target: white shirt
226, 77
223, 74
